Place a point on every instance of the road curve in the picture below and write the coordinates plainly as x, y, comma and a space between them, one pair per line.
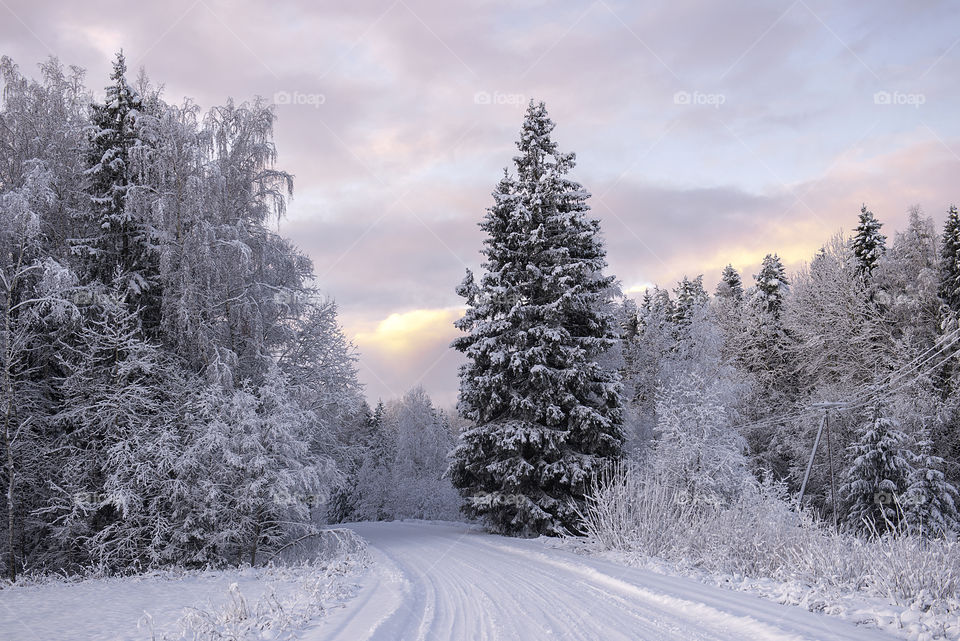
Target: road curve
450, 582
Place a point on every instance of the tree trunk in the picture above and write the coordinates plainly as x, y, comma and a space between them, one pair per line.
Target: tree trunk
8, 439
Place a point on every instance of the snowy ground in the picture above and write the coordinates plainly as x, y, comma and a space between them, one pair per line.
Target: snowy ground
109, 609
854, 606
203, 605
436, 581
444, 581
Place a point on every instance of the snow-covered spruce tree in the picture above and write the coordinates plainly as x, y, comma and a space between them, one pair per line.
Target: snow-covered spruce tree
547, 416
875, 485
950, 262
762, 349
771, 285
765, 351
372, 487
691, 296
949, 292
257, 479
118, 239
730, 285
868, 243
931, 499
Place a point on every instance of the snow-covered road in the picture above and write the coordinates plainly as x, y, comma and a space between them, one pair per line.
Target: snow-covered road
447, 582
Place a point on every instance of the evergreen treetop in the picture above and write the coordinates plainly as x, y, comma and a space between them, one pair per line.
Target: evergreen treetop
868, 243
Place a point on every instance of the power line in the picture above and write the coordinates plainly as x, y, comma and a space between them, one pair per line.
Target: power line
872, 392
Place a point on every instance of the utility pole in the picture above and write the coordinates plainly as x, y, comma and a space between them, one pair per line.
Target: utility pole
833, 483
824, 426
806, 475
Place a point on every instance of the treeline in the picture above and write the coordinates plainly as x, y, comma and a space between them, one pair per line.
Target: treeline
398, 464
722, 386
719, 399
173, 390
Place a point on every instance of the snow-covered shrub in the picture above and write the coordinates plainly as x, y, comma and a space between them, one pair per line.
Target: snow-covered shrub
638, 510
299, 592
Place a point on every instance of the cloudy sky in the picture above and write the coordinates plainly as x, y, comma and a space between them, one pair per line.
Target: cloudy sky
708, 132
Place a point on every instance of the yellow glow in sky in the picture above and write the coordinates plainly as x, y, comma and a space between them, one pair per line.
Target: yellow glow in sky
404, 332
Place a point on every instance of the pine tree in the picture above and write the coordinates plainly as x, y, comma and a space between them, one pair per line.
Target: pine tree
374, 477
119, 245
931, 499
868, 243
691, 296
876, 483
547, 416
771, 286
258, 476
949, 294
950, 263
765, 353
730, 285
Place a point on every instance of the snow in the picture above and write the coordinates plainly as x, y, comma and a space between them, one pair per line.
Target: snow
245, 604
446, 581
861, 608
109, 609
443, 581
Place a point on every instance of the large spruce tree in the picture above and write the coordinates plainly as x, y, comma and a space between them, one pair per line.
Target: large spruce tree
118, 244
547, 415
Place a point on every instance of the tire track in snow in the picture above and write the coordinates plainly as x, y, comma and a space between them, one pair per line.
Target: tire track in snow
451, 582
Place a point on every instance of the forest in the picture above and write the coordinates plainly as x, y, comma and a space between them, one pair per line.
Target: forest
176, 391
